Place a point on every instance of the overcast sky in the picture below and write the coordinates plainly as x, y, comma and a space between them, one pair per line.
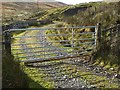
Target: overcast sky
76, 1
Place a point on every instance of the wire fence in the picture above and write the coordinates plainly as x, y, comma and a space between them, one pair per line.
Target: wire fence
111, 38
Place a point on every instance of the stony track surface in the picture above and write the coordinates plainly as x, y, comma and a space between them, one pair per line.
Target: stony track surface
61, 78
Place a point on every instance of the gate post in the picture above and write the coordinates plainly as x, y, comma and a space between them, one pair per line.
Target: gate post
118, 41
98, 36
7, 37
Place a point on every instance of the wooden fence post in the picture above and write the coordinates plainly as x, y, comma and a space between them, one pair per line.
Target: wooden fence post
98, 35
72, 38
118, 41
111, 31
8, 42
118, 25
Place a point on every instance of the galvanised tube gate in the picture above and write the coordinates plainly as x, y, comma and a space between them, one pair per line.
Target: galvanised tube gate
45, 44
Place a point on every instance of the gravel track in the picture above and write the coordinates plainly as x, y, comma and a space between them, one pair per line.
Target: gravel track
61, 80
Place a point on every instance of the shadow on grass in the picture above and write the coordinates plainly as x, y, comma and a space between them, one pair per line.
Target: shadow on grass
12, 74
107, 54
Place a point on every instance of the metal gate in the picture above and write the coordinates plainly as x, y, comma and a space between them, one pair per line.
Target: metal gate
43, 44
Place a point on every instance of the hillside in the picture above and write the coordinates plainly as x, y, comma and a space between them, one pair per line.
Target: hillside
105, 13
111, 0
100, 69
89, 14
13, 11
86, 14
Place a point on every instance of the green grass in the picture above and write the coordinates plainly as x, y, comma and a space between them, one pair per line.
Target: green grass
32, 73
12, 75
38, 77
105, 57
94, 80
